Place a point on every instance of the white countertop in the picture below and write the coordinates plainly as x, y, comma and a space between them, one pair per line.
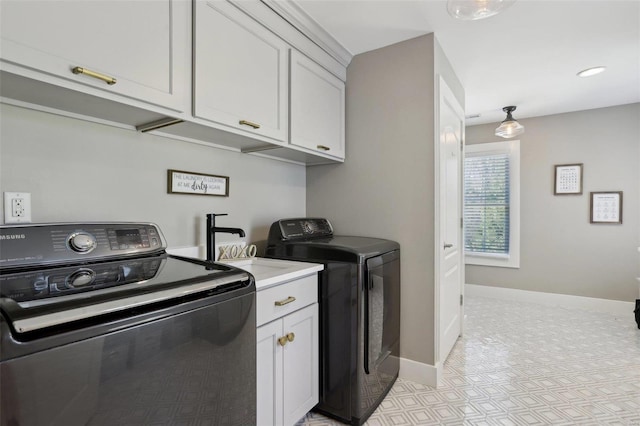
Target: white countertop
270, 272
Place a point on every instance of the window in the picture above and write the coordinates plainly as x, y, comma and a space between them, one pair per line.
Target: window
492, 204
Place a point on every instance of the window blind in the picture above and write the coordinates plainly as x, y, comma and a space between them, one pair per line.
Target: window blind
486, 203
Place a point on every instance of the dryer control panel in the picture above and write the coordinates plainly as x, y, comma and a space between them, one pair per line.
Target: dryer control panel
301, 229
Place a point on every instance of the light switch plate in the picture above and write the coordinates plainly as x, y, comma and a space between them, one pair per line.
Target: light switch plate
17, 207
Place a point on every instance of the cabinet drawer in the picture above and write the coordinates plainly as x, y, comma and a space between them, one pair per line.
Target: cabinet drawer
274, 302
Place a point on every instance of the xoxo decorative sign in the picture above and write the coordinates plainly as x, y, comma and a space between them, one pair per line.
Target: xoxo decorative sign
237, 251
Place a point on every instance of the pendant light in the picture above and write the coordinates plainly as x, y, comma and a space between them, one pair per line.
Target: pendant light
509, 126
471, 10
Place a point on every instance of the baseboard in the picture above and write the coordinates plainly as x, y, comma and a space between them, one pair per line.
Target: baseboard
616, 307
419, 372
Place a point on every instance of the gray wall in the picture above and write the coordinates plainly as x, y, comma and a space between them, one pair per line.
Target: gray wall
386, 187
82, 171
560, 251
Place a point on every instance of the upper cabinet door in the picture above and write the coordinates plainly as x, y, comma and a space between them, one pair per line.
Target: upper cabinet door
240, 71
138, 49
317, 107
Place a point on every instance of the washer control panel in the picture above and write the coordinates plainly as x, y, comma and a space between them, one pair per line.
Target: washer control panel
26, 245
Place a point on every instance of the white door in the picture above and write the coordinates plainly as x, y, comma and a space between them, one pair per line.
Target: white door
450, 249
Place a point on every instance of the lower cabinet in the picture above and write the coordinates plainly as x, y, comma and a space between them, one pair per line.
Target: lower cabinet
287, 367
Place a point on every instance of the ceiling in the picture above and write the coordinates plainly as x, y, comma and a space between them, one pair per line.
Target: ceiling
526, 56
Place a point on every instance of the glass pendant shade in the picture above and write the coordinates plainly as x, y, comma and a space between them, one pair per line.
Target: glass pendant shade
471, 10
510, 126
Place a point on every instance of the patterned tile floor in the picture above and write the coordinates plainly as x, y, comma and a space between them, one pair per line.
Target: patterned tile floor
525, 364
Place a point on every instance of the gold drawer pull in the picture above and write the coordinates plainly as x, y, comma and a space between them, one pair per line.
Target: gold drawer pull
324, 147
282, 340
249, 123
285, 301
105, 78
291, 336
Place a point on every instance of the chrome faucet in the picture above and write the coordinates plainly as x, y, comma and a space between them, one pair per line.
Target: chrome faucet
211, 234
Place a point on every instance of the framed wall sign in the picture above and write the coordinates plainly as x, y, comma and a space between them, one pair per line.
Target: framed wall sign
568, 179
181, 182
606, 207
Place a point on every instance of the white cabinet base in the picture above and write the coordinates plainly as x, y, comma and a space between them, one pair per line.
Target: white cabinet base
287, 351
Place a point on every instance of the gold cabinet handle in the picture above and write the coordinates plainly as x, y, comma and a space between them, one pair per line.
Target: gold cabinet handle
291, 336
324, 147
109, 80
282, 340
249, 123
285, 301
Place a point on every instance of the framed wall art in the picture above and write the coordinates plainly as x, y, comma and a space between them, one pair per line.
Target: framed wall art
606, 207
568, 179
181, 182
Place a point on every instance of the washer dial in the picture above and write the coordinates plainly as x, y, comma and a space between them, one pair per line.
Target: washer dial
82, 242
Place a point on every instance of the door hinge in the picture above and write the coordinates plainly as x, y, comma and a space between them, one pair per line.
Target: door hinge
461, 299
461, 222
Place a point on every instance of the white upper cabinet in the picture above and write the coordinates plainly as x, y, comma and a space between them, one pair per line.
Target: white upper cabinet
136, 49
240, 72
317, 107
250, 75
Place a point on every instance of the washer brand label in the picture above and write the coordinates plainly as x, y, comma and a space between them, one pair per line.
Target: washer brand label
13, 237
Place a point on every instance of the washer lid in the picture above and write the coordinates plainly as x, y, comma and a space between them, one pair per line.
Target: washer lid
339, 248
51, 297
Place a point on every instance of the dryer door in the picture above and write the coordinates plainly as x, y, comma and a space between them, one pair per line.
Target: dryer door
382, 311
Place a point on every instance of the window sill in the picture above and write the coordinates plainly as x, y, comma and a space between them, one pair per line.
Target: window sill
500, 261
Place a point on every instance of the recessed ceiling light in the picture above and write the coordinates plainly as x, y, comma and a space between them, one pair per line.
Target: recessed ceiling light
591, 71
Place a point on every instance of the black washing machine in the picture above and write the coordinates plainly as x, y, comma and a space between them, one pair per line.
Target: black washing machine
359, 294
100, 326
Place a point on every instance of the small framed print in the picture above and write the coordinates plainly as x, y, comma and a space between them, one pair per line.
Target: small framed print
568, 179
181, 182
606, 207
